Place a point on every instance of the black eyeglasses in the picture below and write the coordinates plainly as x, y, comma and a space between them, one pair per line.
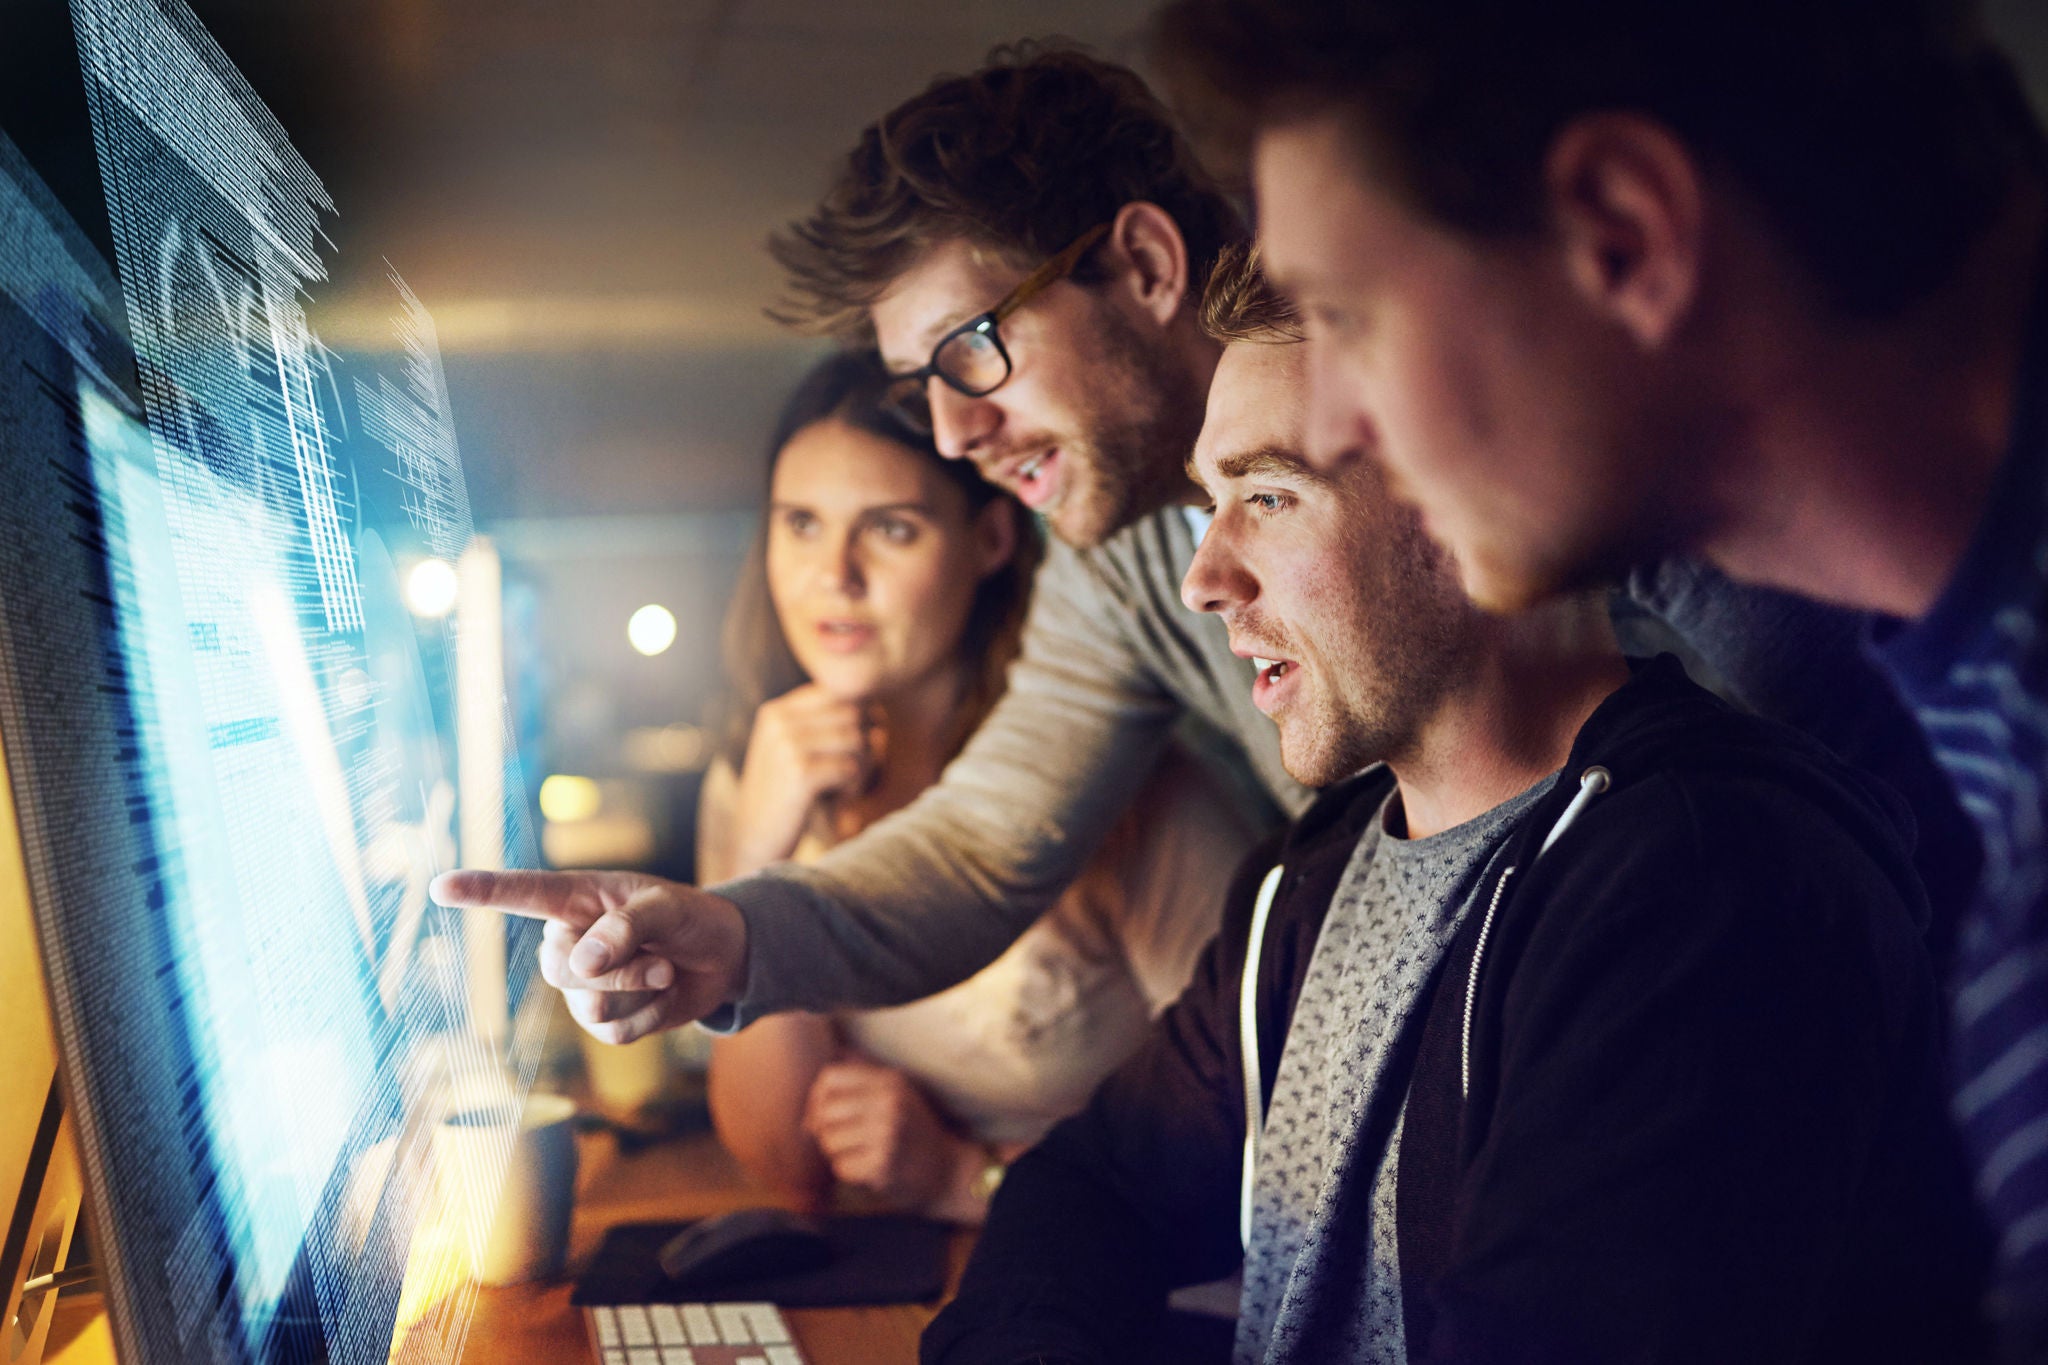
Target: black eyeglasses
971, 359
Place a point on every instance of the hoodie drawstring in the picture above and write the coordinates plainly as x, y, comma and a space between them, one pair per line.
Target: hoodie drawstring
1248, 1034
1591, 783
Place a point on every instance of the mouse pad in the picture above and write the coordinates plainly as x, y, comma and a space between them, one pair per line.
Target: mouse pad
877, 1258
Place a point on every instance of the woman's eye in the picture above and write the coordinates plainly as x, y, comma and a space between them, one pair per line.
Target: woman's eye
895, 531
799, 523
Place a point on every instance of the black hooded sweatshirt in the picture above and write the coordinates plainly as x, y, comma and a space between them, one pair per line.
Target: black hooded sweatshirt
1687, 1109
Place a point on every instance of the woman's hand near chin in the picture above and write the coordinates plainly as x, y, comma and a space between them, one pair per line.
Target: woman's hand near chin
807, 744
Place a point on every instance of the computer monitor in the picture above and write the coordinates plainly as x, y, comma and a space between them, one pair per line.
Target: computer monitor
229, 735
38, 1154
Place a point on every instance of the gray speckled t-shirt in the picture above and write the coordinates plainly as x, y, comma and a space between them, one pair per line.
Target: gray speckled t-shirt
1321, 1280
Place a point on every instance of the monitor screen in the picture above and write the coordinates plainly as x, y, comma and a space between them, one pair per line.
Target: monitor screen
236, 572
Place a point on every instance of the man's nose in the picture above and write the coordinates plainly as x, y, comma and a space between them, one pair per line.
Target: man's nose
960, 423
1340, 428
1215, 580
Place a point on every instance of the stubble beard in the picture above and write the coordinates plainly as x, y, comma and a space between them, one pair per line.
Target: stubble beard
1133, 454
1324, 737
1321, 749
1400, 666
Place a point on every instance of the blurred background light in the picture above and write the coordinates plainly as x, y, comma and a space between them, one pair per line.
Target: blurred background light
652, 629
430, 588
565, 798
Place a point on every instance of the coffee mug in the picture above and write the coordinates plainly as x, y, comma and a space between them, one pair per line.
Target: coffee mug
516, 1230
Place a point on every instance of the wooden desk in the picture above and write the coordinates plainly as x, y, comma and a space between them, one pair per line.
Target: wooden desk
691, 1177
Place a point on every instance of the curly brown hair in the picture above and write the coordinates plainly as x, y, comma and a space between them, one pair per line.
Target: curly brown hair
1240, 304
1021, 157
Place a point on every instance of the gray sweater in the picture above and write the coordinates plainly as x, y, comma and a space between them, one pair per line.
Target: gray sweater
923, 899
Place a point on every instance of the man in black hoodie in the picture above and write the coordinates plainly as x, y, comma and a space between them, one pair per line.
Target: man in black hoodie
1593, 1026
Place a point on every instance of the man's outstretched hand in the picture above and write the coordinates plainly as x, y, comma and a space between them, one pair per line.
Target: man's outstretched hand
632, 954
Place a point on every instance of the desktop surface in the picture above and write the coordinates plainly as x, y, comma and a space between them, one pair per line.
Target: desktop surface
688, 1177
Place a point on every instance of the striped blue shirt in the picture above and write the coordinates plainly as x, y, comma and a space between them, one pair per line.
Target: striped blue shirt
1975, 671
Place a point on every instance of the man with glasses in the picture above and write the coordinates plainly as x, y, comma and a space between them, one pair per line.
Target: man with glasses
1026, 246
971, 359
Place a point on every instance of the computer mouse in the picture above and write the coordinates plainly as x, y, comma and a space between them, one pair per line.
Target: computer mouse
748, 1244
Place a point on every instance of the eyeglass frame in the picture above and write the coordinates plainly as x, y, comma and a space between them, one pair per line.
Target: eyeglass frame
903, 387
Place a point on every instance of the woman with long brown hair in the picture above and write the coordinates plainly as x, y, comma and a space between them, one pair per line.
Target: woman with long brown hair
869, 636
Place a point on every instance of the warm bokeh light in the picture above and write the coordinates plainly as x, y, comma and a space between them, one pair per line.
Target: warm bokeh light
430, 588
565, 798
652, 629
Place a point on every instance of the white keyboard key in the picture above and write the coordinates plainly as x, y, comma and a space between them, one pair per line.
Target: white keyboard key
766, 1323
607, 1325
698, 1323
668, 1324
614, 1358
678, 1355
732, 1325
785, 1355
643, 1355
634, 1327
751, 1360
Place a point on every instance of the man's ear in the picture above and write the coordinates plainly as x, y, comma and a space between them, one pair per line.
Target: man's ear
1154, 257
995, 535
1626, 201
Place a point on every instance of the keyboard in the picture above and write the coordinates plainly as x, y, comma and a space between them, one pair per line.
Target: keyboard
690, 1334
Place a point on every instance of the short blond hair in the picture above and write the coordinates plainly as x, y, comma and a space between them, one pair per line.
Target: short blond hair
1240, 304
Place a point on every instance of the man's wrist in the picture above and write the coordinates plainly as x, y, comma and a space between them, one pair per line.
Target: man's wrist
736, 971
729, 947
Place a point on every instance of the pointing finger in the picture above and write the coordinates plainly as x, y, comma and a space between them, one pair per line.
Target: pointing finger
566, 896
